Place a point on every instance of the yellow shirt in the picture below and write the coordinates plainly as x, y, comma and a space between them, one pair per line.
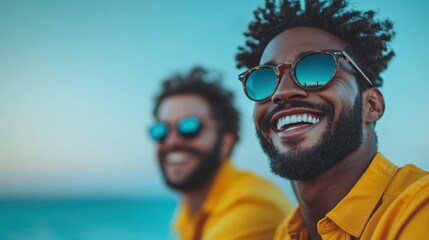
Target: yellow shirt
387, 202
239, 205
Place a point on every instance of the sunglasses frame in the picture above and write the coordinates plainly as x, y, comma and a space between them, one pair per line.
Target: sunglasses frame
278, 69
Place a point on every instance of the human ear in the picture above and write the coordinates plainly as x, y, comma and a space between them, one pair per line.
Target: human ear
373, 105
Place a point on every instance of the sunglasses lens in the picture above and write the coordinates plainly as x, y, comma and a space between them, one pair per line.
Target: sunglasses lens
315, 71
261, 83
158, 131
189, 127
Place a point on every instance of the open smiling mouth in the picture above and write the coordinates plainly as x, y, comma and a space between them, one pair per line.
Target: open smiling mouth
177, 158
295, 121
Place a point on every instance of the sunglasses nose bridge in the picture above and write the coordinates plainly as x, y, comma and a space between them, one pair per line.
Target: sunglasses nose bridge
282, 67
282, 70
287, 88
172, 138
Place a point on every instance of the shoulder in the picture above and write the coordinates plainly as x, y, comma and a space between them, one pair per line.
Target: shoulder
412, 200
407, 178
234, 187
241, 205
249, 187
406, 217
250, 208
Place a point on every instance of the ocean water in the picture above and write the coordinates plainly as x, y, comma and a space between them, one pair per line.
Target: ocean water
148, 219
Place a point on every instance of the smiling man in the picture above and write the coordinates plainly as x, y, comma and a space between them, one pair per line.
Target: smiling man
314, 73
196, 130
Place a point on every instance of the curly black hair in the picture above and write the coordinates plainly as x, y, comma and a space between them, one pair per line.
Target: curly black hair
366, 38
199, 81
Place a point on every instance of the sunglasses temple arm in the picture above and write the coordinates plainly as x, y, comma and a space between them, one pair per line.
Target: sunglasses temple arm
241, 77
356, 67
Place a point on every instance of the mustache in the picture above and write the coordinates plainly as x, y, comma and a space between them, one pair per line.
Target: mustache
266, 120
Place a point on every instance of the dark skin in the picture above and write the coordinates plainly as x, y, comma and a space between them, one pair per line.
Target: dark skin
321, 194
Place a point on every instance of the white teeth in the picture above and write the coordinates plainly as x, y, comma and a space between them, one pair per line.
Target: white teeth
296, 119
176, 157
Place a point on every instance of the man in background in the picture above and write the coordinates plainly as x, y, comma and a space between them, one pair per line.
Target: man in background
314, 75
196, 130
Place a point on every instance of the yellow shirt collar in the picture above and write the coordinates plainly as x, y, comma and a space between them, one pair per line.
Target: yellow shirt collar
361, 200
220, 183
363, 197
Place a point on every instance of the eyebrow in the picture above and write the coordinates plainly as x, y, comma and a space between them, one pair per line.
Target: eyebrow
295, 57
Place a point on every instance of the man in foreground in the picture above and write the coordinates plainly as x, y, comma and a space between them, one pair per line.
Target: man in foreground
196, 130
314, 73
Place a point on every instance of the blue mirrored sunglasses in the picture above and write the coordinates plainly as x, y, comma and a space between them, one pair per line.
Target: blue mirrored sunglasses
187, 127
311, 71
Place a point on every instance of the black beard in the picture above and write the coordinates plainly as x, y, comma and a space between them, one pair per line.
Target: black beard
334, 145
205, 171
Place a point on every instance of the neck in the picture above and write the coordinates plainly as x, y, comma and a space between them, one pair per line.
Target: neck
194, 199
320, 195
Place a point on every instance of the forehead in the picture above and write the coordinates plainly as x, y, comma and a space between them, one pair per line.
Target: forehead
287, 45
176, 107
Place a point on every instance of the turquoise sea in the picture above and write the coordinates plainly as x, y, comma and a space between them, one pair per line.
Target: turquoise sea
148, 219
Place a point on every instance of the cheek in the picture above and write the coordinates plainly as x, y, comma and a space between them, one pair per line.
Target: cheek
346, 89
347, 102
259, 111
205, 144
205, 140
158, 149
341, 96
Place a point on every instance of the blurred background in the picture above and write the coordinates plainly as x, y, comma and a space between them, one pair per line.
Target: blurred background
77, 81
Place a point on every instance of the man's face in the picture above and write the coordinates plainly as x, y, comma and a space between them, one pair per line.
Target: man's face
305, 150
188, 163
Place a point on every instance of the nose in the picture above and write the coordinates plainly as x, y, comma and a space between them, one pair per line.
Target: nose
287, 89
172, 139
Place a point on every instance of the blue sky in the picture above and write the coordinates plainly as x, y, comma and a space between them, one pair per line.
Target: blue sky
77, 81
